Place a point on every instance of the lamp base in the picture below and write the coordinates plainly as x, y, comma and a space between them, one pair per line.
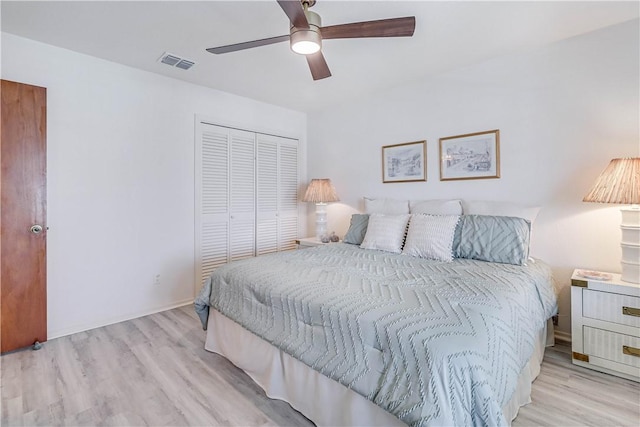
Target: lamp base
631, 272
630, 244
321, 220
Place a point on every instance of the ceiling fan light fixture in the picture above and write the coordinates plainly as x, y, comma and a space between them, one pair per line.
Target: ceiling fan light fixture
304, 44
306, 41
306, 33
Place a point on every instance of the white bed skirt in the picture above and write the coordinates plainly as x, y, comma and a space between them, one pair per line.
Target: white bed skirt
321, 399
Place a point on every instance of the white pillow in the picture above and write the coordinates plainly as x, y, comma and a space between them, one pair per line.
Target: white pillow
386, 232
431, 236
500, 209
386, 206
435, 207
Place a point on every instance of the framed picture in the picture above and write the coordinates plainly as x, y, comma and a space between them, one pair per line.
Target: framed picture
470, 156
404, 162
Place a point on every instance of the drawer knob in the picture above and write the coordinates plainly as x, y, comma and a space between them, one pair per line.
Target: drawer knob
631, 351
631, 311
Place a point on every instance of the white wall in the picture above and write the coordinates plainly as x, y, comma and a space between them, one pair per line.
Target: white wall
563, 112
121, 180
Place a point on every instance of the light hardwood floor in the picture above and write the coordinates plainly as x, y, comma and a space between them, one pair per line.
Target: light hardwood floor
154, 371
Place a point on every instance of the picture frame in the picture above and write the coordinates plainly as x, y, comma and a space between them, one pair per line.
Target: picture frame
470, 156
404, 162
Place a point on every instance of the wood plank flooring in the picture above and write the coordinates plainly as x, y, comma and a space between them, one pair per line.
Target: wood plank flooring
154, 371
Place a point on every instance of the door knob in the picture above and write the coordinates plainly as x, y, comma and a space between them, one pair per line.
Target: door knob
36, 229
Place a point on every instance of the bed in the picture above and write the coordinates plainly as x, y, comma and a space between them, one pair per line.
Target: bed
353, 336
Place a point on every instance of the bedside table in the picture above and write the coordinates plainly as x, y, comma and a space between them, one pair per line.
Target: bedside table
605, 325
309, 242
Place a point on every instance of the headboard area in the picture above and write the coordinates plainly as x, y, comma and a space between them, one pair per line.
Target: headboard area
445, 229
387, 206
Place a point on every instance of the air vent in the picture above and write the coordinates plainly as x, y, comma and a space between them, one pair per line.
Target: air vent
169, 59
184, 64
176, 61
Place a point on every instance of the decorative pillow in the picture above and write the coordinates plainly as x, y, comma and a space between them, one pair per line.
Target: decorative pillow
431, 236
471, 207
386, 206
500, 239
357, 229
386, 232
457, 238
435, 207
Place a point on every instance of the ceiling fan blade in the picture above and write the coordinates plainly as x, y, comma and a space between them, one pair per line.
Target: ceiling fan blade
394, 27
295, 12
318, 66
247, 45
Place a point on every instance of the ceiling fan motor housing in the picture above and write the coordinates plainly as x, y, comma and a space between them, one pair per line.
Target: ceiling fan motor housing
307, 40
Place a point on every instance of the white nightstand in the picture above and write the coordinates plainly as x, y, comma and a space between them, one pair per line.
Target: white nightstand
605, 325
309, 242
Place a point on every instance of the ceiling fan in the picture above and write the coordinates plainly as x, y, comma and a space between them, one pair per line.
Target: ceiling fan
306, 34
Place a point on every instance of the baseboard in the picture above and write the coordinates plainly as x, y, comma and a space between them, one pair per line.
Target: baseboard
86, 327
562, 336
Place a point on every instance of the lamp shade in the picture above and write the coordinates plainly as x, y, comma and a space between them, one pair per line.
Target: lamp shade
320, 191
618, 183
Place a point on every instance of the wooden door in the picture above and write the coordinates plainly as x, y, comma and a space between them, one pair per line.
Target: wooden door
23, 289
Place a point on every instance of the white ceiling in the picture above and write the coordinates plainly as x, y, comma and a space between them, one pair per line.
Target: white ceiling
448, 35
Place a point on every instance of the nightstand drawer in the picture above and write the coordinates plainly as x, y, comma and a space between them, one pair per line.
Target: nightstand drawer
616, 308
612, 346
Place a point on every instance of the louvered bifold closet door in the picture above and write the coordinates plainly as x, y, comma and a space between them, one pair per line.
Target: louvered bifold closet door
267, 200
212, 198
288, 194
242, 195
277, 198
246, 195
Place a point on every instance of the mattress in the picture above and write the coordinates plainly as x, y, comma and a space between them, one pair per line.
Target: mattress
431, 343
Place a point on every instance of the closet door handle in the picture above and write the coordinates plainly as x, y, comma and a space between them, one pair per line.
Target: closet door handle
36, 229
631, 311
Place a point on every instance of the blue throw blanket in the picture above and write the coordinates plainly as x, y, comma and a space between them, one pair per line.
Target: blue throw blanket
432, 343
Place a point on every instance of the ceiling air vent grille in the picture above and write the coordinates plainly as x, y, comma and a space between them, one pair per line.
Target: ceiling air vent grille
176, 61
185, 64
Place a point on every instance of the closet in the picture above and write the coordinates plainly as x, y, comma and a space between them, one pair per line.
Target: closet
246, 195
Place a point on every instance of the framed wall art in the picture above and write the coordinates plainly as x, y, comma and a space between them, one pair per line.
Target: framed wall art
404, 162
470, 156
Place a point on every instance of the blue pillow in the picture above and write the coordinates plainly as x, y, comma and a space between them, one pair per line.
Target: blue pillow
357, 229
500, 239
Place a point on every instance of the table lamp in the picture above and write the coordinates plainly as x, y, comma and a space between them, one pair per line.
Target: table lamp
620, 183
321, 191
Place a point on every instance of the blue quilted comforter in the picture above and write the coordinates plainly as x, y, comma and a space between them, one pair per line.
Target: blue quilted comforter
432, 343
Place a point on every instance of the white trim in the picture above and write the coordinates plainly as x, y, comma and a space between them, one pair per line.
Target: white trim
283, 133
87, 326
